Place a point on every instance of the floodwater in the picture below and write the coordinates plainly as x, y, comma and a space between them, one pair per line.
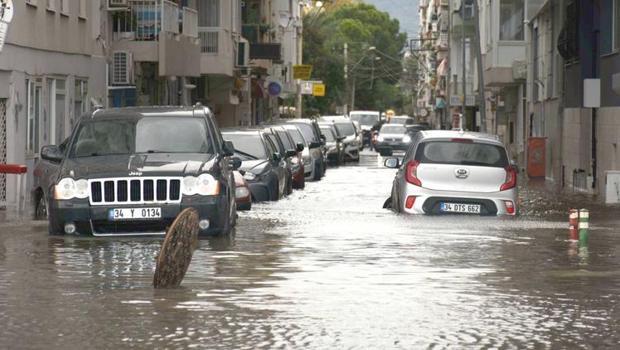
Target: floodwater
327, 268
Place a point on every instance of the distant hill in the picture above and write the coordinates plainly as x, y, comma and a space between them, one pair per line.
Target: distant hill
405, 11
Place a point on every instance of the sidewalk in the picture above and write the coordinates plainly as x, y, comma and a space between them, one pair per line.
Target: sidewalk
540, 198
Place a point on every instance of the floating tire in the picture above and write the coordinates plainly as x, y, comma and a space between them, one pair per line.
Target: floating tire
177, 249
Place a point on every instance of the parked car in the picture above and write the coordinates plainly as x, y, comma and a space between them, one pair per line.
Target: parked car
243, 196
393, 137
335, 149
351, 141
261, 164
130, 171
446, 172
279, 137
366, 120
314, 162
402, 119
299, 177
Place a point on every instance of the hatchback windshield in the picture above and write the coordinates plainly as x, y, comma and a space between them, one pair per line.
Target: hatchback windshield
365, 119
346, 129
296, 135
145, 135
462, 153
307, 131
329, 134
393, 129
247, 146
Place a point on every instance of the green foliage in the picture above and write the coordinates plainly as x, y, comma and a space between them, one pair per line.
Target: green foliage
375, 73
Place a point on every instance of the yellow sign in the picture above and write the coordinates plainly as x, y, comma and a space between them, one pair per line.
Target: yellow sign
302, 71
318, 90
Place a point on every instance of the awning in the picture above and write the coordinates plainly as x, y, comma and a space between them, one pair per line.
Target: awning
442, 69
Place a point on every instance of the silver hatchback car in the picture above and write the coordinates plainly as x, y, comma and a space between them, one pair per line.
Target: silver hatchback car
447, 172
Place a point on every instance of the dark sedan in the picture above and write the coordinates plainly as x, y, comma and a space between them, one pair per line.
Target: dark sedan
261, 164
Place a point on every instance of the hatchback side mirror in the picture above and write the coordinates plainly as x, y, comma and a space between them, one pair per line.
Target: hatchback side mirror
290, 153
276, 157
229, 148
341, 138
391, 163
314, 144
300, 147
52, 153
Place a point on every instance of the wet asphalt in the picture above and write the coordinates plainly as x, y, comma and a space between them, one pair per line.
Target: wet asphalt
326, 268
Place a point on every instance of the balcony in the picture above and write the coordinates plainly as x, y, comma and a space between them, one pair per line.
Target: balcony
158, 31
217, 51
460, 27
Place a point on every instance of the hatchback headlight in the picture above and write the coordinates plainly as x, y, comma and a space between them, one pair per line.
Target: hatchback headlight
68, 188
380, 138
204, 185
407, 139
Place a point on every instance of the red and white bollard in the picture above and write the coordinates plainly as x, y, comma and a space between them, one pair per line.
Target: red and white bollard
573, 224
19, 170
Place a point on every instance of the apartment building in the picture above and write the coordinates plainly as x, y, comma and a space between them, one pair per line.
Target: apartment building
52, 69
153, 51
589, 43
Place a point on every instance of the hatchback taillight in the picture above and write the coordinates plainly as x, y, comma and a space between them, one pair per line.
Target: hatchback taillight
412, 173
511, 179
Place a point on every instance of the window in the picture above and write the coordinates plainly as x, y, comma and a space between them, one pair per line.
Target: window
82, 8
51, 5
56, 110
511, 17
64, 7
209, 13
80, 101
615, 22
34, 99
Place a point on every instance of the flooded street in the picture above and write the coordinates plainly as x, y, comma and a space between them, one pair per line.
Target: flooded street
325, 268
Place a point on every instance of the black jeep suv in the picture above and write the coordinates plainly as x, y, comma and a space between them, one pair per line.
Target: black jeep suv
130, 171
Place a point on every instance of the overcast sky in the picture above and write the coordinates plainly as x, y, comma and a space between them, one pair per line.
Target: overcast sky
406, 11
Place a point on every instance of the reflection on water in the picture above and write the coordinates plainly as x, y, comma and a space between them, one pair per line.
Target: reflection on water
326, 268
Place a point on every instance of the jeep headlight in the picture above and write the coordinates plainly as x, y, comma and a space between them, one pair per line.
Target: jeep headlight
204, 185
248, 176
380, 138
67, 188
407, 139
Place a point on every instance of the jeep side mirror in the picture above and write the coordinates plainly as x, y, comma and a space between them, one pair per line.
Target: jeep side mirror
235, 163
52, 153
300, 147
229, 148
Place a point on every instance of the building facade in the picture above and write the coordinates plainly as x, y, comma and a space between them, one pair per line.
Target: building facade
52, 69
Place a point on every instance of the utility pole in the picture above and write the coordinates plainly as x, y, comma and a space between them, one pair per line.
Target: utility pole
463, 63
298, 96
346, 78
477, 40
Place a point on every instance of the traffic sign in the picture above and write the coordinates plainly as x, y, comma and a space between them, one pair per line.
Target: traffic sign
302, 71
318, 90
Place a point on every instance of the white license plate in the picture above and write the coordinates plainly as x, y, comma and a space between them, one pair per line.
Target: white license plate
134, 213
460, 208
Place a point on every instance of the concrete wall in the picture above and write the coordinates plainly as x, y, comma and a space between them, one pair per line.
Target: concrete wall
608, 137
576, 143
37, 27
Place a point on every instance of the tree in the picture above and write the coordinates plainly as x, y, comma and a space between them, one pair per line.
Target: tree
374, 49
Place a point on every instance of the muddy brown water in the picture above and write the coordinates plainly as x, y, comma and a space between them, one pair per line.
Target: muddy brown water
326, 268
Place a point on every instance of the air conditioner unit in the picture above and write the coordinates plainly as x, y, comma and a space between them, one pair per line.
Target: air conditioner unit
121, 68
117, 4
243, 53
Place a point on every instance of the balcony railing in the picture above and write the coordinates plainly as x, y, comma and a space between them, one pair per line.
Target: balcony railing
190, 22
209, 40
143, 20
